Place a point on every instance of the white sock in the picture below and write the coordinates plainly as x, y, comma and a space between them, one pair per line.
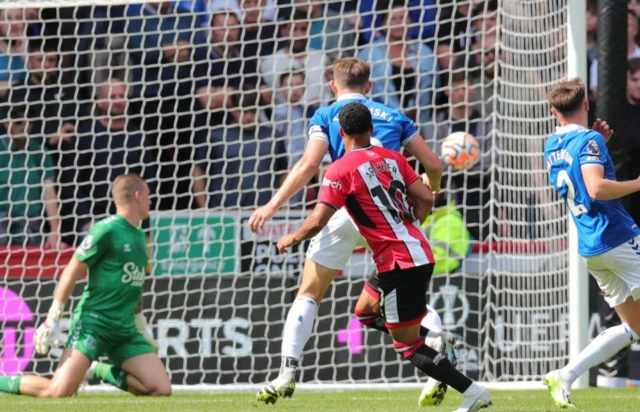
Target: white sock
604, 346
297, 330
432, 321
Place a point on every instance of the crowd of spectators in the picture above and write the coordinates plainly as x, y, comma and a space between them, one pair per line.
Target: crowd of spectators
209, 99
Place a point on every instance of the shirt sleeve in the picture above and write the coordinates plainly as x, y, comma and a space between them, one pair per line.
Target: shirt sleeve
94, 245
318, 128
409, 129
334, 190
594, 150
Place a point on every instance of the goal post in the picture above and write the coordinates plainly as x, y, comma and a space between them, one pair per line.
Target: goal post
578, 274
216, 294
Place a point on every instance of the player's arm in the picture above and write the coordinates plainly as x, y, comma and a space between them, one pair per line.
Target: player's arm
600, 188
311, 226
432, 165
422, 199
48, 330
297, 178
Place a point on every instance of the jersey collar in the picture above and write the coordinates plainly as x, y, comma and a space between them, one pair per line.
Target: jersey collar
362, 148
569, 128
351, 96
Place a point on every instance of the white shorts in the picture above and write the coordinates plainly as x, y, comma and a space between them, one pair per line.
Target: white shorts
334, 246
618, 272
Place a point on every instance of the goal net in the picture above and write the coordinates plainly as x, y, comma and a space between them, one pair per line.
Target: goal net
210, 101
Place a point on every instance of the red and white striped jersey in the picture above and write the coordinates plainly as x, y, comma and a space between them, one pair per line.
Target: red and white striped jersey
372, 184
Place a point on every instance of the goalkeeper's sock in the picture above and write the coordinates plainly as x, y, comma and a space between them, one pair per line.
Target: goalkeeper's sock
603, 347
376, 321
297, 330
433, 364
10, 384
110, 374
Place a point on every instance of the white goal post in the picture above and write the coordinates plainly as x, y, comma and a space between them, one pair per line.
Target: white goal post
217, 295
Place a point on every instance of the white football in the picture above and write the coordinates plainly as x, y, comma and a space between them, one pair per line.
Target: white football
461, 151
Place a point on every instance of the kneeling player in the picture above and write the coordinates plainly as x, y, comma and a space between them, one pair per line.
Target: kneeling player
105, 322
374, 184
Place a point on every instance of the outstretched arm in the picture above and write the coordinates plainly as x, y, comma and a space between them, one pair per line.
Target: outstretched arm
312, 225
297, 178
600, 188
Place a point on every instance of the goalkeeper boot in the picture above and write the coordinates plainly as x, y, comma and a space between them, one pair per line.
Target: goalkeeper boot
434, 391
280, 387
475, 398
559, 389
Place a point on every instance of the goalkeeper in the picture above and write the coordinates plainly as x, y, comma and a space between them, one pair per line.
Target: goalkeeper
105, 322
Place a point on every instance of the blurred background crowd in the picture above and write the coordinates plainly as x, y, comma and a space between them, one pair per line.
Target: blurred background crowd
210, 99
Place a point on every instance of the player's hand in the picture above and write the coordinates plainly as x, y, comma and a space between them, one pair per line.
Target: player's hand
260, 217
427, 183
46, 335
286, 242
145, 330
603, 128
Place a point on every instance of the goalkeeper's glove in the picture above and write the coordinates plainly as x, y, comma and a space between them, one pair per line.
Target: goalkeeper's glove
48, 332
144, 328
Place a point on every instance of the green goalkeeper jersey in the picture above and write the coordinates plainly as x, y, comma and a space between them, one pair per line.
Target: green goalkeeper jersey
116, 253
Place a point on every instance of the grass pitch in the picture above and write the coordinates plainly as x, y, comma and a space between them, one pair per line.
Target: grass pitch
601, 400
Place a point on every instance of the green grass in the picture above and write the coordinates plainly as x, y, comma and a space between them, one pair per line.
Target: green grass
350, 401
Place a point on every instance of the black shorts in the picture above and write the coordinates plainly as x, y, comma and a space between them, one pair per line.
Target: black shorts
402, 294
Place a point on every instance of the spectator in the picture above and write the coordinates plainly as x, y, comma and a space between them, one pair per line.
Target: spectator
243, 164
633, 143
296, 55
258, 35
330, 31
161, 42
483, 83
106, 146
52, 105
328, 96
291, 118
422, 12
12, 48
470, 188
26, 186
402, 72
268, 9
633, 51
455, 34
221, 66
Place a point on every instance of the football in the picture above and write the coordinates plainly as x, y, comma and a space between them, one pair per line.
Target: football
460, 150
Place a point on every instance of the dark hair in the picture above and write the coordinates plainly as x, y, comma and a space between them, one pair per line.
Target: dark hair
17, 112
44, 45
567, 96
222, 12
633, 65
355, 119
246, 99
291, 73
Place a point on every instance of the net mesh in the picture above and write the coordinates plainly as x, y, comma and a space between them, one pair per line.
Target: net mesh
211, 107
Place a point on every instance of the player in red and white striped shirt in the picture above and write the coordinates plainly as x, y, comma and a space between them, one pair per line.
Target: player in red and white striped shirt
376, 186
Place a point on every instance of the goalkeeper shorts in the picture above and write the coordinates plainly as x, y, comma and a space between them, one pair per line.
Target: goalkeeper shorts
95, 342
403, 294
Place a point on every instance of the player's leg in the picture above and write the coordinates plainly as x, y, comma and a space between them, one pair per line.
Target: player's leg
618, 276
65, 381
368, 313
403, 303
328, 253
136, 368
